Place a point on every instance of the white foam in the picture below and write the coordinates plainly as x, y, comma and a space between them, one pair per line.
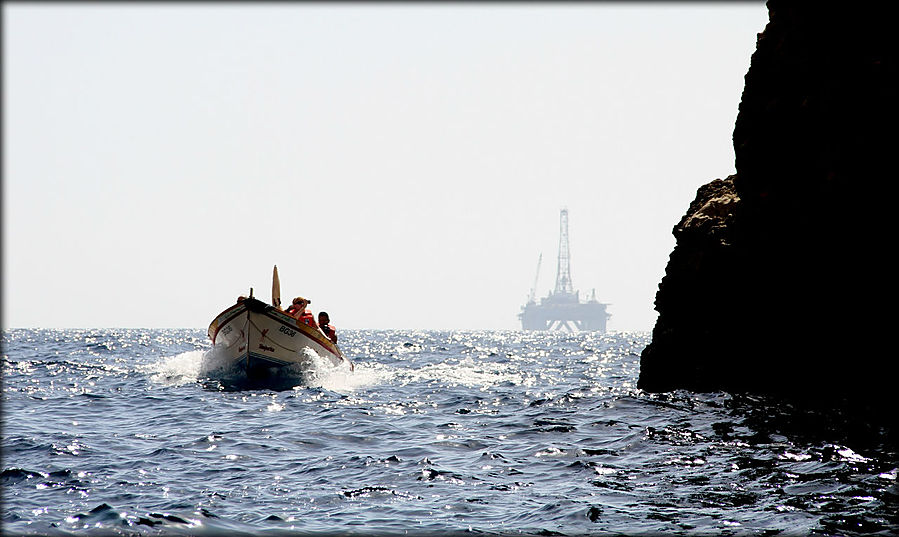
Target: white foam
177, 370
321, 373
316, 372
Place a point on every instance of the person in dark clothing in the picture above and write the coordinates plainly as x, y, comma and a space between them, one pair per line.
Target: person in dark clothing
324, 322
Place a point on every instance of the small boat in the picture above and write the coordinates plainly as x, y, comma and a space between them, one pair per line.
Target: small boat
261, 339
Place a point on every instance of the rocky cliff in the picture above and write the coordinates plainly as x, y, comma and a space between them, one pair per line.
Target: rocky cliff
782, 277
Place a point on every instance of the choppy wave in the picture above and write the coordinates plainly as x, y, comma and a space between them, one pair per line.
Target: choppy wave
148, 432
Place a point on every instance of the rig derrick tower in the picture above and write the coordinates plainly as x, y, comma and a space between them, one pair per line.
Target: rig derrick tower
563, 269
562, 309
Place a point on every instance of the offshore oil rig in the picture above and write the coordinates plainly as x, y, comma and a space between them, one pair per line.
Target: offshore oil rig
562, 309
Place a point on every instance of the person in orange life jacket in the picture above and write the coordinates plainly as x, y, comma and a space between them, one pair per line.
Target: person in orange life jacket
298, 311
324, 322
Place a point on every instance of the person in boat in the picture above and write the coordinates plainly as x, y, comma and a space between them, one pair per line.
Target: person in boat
298, 311
324, 322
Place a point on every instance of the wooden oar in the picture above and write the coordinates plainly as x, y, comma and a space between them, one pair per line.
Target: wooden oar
276, 288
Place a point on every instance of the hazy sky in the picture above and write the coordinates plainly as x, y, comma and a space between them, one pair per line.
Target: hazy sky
403, 164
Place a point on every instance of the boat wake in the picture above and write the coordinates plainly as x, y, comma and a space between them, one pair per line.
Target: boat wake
176, 370
213, 371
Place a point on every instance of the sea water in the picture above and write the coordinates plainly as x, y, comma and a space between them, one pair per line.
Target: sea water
145, 432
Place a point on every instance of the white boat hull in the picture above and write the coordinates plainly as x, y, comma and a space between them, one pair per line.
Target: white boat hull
260, 339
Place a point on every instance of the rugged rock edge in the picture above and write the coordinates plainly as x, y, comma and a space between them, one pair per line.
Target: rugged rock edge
782, 277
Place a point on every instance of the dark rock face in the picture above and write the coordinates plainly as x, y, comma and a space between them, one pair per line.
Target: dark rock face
782, 279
